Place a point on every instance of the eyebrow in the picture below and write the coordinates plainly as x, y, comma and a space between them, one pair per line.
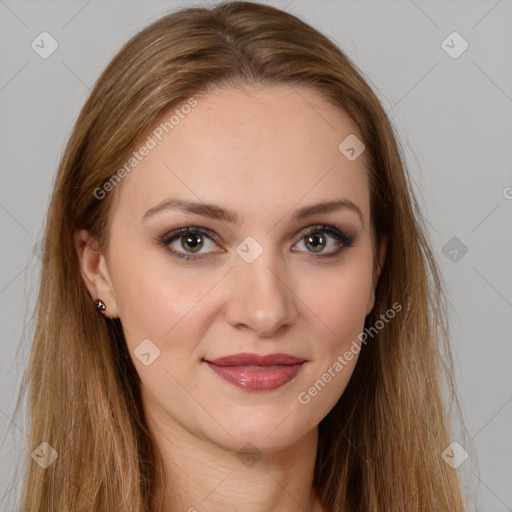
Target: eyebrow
214, 211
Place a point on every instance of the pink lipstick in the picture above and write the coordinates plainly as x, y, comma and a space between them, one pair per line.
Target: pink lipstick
254, 372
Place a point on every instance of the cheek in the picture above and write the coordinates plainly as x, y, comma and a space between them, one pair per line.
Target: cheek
340, 300
341, 305
154, 295
173, 306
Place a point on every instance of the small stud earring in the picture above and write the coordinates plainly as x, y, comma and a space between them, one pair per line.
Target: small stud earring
100, 306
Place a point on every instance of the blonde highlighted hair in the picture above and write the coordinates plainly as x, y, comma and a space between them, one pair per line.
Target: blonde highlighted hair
380, 446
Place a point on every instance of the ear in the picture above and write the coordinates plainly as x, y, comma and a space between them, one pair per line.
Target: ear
377, 272
94, 271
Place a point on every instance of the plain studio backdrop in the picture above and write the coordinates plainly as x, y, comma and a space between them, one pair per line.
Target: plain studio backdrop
443, 73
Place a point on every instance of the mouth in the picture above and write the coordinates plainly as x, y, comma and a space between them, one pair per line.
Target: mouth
253, 372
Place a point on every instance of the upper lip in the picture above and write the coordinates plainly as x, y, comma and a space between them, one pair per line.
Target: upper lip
246, 359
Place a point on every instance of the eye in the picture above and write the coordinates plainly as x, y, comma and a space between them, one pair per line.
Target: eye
187, 243
316, 241
190, 239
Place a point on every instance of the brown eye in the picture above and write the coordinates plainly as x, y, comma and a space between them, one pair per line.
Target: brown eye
187, 242
325, 240
192, 242
315, 241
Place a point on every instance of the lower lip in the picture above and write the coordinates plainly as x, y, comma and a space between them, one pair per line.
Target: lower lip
257, 378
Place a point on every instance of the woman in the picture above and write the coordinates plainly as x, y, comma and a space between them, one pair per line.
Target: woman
232, 201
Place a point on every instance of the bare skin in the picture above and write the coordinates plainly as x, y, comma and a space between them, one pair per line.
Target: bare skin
263, 154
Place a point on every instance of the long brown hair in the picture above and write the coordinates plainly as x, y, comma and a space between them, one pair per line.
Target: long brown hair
380, 446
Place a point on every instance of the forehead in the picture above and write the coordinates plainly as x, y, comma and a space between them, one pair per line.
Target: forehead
259, 150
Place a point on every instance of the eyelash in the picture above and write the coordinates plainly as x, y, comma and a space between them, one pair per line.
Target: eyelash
346, 239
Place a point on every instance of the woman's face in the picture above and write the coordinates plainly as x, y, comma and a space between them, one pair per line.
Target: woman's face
264, 277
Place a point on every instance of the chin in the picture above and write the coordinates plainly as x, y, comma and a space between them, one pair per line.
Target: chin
267, 435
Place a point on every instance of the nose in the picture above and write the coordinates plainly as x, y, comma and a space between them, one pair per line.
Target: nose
261, 298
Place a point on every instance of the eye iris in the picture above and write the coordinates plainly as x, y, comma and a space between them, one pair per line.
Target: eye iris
195, 242
313, 240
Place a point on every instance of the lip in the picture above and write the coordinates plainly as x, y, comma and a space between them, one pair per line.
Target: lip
254, 372
246, 359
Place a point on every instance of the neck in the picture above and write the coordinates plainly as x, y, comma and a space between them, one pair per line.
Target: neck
197, 475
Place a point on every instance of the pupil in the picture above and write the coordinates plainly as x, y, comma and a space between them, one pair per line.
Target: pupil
317, 246
194, 245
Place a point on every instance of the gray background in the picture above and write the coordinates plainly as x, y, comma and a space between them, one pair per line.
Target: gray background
453, 117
